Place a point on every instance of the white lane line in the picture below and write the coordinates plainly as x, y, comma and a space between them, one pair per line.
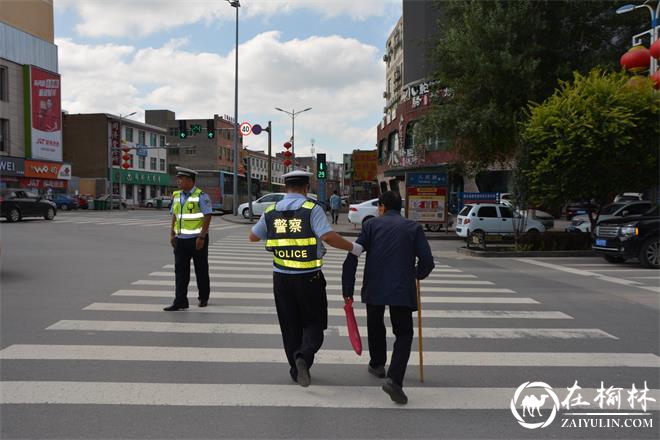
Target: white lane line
272, 329
223, 274
647, 278
260, 310
331, 357
585, 273
336, 298
217, 266
269, 286
620, 270
264, 396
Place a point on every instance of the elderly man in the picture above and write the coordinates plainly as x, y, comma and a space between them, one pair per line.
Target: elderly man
398, 254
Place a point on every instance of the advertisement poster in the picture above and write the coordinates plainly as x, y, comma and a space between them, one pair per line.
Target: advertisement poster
47, 170
45, 102
426, 204
365, 165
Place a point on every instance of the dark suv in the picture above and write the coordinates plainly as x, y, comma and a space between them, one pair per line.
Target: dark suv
619, 239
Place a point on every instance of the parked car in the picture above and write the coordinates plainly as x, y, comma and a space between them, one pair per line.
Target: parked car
493, 218
628, 197
361, 212
622, 238
64, 202
117, 201
547, 219
581, 223
259, 205
17, 204
579, 208
166, 202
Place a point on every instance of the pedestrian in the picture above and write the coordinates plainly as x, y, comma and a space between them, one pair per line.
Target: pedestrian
335, 204
398, 254
189, 236
294, 230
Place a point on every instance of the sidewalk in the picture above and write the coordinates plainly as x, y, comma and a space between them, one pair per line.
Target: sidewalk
347, 229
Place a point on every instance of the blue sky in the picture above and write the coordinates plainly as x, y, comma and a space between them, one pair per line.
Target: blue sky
119, 56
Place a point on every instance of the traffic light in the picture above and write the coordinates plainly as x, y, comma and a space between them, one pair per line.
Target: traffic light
210, 128
320, 166
183, 129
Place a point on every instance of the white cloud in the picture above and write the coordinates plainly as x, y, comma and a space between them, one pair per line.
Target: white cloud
122, 18
340, 78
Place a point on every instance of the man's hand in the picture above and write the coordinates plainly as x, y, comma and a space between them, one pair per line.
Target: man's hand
347, 299
173, 240
199, 243
357, 249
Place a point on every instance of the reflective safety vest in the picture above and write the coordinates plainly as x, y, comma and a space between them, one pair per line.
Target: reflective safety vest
291, 238
189, 216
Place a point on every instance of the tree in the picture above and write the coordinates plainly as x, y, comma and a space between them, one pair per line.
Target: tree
594, 137
499, 55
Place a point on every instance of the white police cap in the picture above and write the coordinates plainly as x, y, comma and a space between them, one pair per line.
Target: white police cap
181, 171
297, 176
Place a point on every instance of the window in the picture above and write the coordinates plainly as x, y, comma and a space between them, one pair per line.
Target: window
191, 151
162, 142
129, 192
130, 162
506, 212
152, 139
410, 135
162, 164
4, 83
173, 151
488, 212
4, 134
152, 163
173, 131
128, 131
638, 208
393, 142
141, 162
141, 140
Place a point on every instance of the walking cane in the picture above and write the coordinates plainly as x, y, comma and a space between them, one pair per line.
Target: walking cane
419, 336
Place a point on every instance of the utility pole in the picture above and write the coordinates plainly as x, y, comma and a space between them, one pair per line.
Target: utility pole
270, 159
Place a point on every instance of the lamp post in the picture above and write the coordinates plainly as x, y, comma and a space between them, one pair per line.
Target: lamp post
235, 4
293, 113
111, 163
637, 39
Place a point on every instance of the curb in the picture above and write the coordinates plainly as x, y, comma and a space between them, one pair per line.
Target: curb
530, 254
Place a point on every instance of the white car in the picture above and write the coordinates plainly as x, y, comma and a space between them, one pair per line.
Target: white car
628, 197
581, 223
361, 212
166, 202
260, 205
492, 218
547, 219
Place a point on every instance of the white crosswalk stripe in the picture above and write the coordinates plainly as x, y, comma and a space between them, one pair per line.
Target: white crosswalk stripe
164, 222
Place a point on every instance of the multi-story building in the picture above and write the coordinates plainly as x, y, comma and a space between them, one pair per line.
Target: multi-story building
31, 147
90, 138
348, 174
259, 170
393, 59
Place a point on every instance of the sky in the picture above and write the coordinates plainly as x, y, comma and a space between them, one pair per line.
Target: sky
121, 56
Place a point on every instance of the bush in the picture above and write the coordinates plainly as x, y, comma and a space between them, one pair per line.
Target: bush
554, 241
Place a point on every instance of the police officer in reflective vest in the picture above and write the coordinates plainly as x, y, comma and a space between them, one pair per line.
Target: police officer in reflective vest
191, 216
294, 230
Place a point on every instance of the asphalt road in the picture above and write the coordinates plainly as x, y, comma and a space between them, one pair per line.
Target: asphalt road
86, 352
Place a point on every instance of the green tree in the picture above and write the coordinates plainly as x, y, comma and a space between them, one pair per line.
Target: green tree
594, 137
499, 55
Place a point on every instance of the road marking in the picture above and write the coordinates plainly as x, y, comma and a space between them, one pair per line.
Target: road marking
328, 357
337, 298
647, 278
269, 286
614, 280
327, 269
260, 310
619, 270
430, 280
272, 329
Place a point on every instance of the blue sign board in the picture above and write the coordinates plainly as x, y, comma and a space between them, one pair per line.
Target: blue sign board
141, 150
477, 197
426, 179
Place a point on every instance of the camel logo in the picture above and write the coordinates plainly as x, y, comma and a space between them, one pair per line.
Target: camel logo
531, 405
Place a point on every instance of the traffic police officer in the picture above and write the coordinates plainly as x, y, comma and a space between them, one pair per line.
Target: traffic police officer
191, 216
294, 229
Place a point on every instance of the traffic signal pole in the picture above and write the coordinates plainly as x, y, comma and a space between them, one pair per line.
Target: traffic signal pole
270, 160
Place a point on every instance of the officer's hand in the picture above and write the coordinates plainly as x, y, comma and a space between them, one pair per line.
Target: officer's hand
357, 249
199, 243
347, 299
173, 241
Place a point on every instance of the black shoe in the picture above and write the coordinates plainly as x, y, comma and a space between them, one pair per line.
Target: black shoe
303, 378
378, 371
395, 391
174, 308
203, 303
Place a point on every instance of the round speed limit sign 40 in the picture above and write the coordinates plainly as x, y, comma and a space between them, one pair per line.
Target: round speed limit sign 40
245, 129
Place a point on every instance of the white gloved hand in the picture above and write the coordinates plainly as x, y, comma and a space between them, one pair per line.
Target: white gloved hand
357, 249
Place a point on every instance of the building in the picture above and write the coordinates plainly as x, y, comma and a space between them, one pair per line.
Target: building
348, 174
31, 147
139, 173
197, 151
259, 170
400, 148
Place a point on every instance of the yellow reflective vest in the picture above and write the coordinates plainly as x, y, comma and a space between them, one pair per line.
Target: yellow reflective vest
189, 216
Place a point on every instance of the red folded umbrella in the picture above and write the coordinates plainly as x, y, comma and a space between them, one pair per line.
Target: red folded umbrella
353, 331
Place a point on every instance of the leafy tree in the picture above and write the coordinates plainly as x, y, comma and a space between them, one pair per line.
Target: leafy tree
594, 137
499, 55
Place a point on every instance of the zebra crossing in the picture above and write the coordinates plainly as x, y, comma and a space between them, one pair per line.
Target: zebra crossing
458, 306
123, 220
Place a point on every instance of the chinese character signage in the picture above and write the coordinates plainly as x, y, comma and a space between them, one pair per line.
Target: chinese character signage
426, 197
115, 143
426, 179
465, 198
365, 164
43, 134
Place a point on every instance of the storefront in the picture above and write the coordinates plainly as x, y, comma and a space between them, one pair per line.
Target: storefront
11, 171
37, 175
138, 186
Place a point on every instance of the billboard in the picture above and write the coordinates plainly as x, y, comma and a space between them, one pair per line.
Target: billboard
47, 170
426, 197
365, 164
43, 114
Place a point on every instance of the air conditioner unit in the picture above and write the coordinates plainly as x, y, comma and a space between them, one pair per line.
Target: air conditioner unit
386, 58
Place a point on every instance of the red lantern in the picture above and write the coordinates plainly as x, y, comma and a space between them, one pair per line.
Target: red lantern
287, 145
125, 165
126, 157
287, 154
654, 50
125, 149
637, 59
656, 79
286, 163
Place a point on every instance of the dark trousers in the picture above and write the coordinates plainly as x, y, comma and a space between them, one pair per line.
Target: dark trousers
184, 251
302, 310
402, 325
335, 215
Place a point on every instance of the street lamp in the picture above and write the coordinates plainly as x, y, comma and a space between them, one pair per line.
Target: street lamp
654, 26
112, 158
293, 114
236, 4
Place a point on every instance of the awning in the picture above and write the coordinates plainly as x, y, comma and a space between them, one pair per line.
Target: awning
401, 172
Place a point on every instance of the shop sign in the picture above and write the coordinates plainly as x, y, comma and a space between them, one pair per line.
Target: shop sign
27, 182
47, 170
365, 164
115, 143
12, 166
43, 92
426, 197
133, 177
407, 157
426, 179
141, 150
